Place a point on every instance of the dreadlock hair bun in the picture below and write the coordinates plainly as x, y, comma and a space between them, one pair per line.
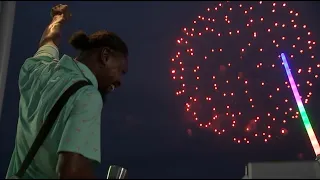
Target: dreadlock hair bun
80, 41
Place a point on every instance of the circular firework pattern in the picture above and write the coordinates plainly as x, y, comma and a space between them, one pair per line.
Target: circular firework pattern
229, 72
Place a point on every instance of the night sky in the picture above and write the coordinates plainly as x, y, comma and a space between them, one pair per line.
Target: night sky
144, 124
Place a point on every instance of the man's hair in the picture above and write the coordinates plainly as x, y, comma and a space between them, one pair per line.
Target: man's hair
80, 41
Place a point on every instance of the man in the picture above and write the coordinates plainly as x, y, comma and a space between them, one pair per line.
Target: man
73, 144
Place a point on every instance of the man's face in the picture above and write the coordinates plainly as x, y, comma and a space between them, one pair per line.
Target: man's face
114, 67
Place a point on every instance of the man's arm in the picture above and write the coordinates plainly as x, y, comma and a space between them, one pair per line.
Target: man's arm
50, 40
79, 146
52, 34
48, 45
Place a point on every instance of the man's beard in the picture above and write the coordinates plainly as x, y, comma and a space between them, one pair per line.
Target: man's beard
104, 93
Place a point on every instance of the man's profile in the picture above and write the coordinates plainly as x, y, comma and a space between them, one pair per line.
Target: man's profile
73, 144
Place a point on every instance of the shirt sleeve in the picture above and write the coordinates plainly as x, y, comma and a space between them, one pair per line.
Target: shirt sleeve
48, 50
46, 53
81, 133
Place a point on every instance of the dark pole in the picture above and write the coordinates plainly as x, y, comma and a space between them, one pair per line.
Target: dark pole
7, 12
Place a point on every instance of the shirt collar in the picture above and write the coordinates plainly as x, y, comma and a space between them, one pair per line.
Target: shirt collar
70, 63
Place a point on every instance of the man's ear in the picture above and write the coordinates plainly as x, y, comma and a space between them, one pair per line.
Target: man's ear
105, 54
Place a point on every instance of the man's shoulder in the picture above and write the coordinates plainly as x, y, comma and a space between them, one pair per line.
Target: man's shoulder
46, 59
41, 58
89, 94
34, 62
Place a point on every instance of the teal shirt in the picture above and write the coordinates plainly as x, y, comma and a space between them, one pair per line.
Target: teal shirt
42, 80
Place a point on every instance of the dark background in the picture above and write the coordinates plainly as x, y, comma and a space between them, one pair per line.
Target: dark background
143, 122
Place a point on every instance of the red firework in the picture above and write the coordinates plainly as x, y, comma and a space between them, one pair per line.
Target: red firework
229, 73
